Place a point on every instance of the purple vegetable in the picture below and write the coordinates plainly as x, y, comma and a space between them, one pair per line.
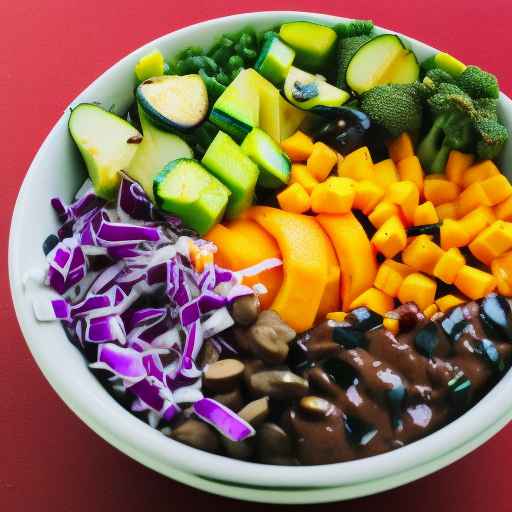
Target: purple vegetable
123, 362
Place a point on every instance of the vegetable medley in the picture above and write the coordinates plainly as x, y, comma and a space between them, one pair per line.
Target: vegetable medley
295, 248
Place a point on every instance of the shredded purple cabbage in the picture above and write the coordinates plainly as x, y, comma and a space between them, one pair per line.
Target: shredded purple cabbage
145, 304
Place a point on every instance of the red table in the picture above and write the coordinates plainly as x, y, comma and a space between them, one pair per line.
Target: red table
50, 51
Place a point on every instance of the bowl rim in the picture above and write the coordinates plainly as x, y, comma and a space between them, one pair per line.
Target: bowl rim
154, 450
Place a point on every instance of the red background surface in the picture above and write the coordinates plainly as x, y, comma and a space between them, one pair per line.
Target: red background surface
49, 51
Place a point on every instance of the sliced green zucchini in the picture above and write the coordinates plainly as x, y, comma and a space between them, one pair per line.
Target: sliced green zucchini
236, 111
306, 91
156, 150
107, 143
184, 188
226, 161
274, 165
174, 103
313, 43
382, 60
150, 65
275, 60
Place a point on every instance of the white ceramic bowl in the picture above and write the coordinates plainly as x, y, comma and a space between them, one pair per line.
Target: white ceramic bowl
57, 170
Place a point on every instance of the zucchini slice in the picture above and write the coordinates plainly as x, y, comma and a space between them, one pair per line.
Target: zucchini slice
175, 103
275, 60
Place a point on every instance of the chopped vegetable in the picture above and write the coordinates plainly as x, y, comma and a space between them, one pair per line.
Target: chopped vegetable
497, 189
401, 147
474, 283
448, 210
438, 190
302, 176
457, 165
477, 220
382, 212
503, 210
321, 161
479, 172
357, 165
390, 238
294, 198
374, 299
150, 65
354, 28
425, 214
453, 234
448, 266
502, 270
492, 242
385, 174
419, 289
335, 195
390, 277
405, 195
368, 195
410, 169
298, 147
447, 302
275, 60
422, 255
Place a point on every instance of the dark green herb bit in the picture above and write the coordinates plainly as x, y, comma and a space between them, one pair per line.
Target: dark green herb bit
426, 340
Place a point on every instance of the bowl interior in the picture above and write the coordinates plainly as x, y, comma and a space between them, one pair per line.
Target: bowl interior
57, 170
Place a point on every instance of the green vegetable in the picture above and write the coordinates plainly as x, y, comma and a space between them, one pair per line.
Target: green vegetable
157, 148
212, 84
347, 48
184, 188
478, 83
313, 43
107, 143
275, 60
382, 60
175, 103
354, 28
150, 65
396, 107
307, 91
227, 162
449, 64
274, 165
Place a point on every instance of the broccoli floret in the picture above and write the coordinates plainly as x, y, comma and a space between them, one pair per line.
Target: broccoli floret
395, 107
434, 78
478, 83
347, 48
354, 28
493, 137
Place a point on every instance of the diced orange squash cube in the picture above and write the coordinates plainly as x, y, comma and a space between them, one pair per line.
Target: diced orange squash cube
321, 161
448, 265
479, 172
449, 301
457, 165
410, 169
440, 191
453, 234
477, 220
425, 214
337, 316
302, 176
430, 311
471, 198
502, 270
385, 174
375, 300
474, 283
357, 165
406, 196
497, 189
334, 195
447, 211
390, 238
390, 276
294, 198
503, 210
368, 195
382, 212
401, 148
419, 289
298, 146
422, 254
391, 324
492, 242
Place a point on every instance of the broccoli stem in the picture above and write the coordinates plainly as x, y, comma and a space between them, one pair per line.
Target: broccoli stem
432, 151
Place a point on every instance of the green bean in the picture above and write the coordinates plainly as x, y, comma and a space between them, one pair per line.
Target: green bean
214, 88
192, 51
249, 55
236, 72
246, 40
194, 64
235, 62
222, 78
221, 55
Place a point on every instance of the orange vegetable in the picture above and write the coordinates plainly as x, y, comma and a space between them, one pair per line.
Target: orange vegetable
439, 191
406, 196
449, 301
419, 289
375, 300
390, 238
321, 161
474, 283
425, 214
422, 254
477, 220
453, 234
385, 174
471, 198
357, 165
298, 146
331, 297
492, 242
497, 189
502, 270
447, 210
456, 166
355, 255
200, 259
337, 316
305, 263
368, 195
258, 246
390, 276
335, 195
410, 170
448, 265
503, 210
401, 148
301, 175
430, 311
479, 172
382, 212
294, 198
391, 324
